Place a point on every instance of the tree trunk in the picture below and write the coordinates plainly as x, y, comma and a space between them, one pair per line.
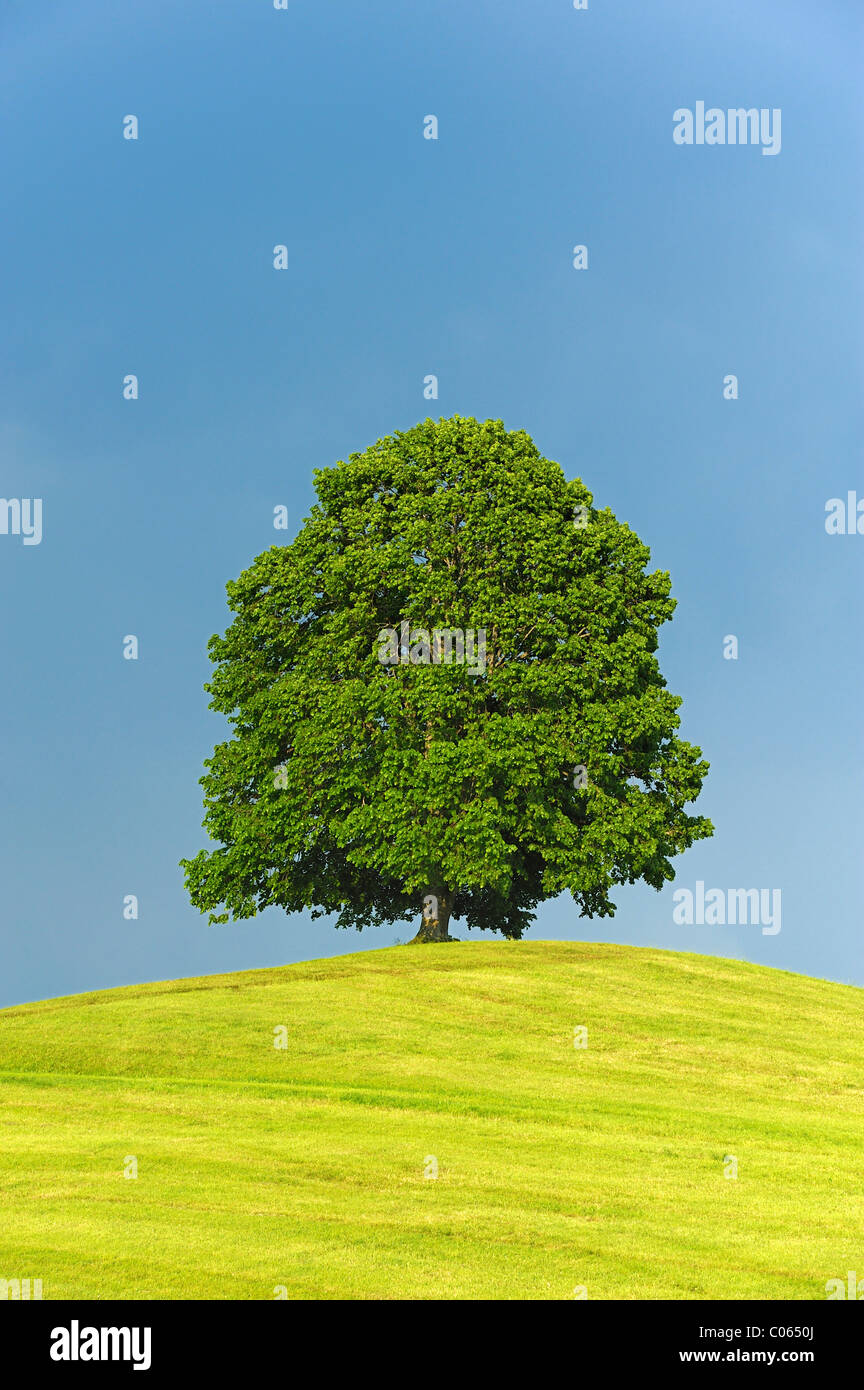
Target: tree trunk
434, 923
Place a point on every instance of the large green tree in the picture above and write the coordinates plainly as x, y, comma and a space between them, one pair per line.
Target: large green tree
368, 776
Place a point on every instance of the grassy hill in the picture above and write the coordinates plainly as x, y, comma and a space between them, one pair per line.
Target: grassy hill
305, 1167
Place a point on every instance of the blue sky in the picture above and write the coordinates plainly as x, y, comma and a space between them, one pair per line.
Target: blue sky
407, 256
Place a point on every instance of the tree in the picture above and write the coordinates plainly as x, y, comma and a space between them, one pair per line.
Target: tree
445, 699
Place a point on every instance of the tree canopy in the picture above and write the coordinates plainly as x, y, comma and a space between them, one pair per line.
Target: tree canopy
444, 699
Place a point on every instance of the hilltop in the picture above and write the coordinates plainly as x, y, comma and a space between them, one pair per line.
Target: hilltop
308, 1166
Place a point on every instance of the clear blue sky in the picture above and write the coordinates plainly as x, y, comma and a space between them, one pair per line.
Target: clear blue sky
408, 257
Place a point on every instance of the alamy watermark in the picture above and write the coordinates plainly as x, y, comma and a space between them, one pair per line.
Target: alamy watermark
20, 1290
22, 516
845, 516
735, 126
728, 906
853, 1287
77, 1343
440, 646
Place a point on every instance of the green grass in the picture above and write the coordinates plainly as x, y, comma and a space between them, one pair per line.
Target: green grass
558, 1167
